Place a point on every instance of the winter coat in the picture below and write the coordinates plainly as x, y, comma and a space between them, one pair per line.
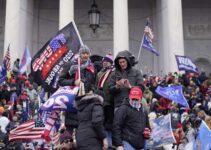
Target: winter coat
91, 132
133, 75
67, 79
105, 89
129, 124
108, 99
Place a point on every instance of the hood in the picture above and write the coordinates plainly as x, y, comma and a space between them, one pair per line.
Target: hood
123, 54
89, 99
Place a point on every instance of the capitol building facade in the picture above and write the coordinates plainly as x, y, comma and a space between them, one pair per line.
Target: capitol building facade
180, 27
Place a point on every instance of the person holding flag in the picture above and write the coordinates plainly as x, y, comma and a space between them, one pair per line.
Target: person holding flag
72, 76
16, 68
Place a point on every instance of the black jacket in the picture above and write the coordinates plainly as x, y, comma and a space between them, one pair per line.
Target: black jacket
91, 132
133, 75
65, 79
129, 124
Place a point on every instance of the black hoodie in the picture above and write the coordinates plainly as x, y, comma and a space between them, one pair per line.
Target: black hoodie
133, 75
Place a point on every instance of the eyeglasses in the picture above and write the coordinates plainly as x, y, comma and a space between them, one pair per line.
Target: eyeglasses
68, 140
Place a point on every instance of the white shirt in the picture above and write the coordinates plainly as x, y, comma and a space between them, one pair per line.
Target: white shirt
4, 121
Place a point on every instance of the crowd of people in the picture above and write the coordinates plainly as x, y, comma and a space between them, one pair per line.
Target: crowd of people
113, 110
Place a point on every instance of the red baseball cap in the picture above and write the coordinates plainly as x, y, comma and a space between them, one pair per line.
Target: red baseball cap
135, 93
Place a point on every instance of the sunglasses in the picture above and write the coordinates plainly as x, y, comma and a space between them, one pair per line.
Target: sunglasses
68, 141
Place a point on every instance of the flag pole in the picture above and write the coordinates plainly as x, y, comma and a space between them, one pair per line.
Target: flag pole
139, 52
79, 70
81, 86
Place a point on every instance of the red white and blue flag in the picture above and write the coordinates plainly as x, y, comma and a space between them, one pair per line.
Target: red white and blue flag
62, 100
29, 130
7, 59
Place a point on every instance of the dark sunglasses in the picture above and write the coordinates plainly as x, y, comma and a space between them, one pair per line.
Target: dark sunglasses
68, 140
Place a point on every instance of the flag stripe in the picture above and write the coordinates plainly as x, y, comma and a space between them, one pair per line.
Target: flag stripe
7, 59
28, 131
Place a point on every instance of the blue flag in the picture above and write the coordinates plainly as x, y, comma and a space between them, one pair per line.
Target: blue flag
203, 140
147, 41
173, 93
3, 73
63, 99
186, 64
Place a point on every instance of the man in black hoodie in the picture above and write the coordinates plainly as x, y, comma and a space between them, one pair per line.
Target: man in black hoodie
131, 123
124, 78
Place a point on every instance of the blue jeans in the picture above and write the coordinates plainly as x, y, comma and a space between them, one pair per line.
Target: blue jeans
109, 137
128, 146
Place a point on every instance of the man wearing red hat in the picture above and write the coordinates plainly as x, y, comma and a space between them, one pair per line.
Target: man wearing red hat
131, 123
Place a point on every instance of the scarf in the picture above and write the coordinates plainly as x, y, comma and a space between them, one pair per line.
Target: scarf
104, 76
135, 104
85, 65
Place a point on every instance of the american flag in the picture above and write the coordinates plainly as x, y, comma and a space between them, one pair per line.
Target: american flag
147, 41
7, 58
30, 130
56, 139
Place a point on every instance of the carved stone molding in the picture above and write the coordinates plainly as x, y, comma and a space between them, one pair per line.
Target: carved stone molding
197, 31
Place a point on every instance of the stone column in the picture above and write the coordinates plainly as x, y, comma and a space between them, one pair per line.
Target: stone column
170, 33
18, 27
66, 12
121, 34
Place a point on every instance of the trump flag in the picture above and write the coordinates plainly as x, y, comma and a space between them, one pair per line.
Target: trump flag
186, 64
173, 93
62, 100
49, 61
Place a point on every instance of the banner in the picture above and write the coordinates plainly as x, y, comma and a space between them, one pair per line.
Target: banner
186, 64
63, 99
49, 61
161, 132
173, 93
